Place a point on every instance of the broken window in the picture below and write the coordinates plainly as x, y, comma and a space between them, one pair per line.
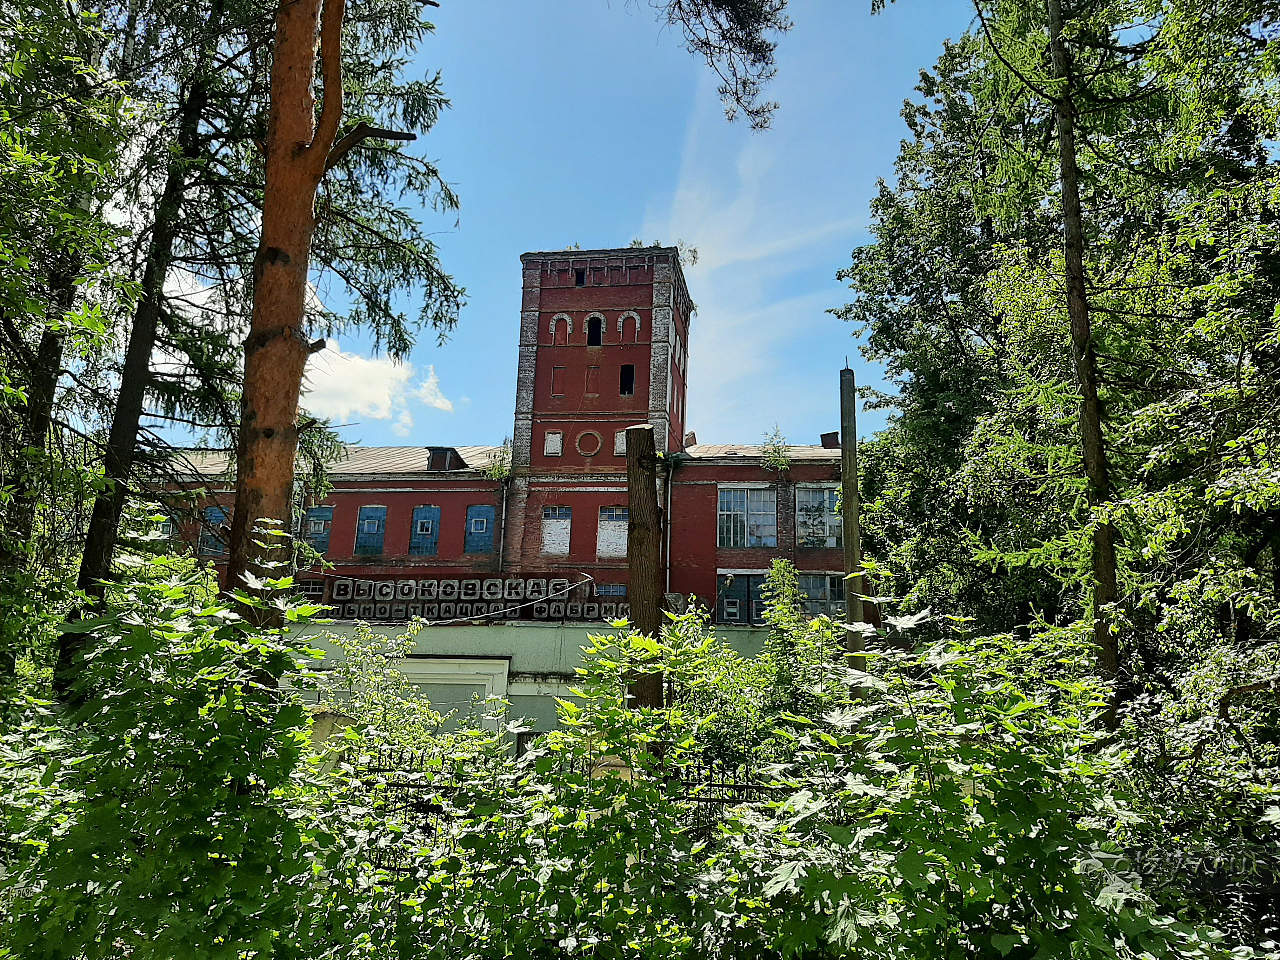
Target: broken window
627, 380
817, 520
739, 597
823, 594
595, 331
747, 518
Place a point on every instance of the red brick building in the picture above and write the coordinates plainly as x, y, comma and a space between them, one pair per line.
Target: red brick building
539, 531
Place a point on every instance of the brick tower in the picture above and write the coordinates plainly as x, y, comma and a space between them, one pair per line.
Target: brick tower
603, 345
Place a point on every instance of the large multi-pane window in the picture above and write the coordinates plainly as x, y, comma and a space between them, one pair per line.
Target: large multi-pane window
817, 519
748, 517
823, 593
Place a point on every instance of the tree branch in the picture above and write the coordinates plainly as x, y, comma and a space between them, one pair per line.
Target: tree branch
356, 135
331, 64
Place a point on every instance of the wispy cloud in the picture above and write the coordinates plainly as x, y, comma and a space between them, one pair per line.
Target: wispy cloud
428, 391
759, 295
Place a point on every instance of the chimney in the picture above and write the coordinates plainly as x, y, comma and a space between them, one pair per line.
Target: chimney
831, 441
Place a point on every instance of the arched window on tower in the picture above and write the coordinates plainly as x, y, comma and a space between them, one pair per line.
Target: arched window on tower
595, 331
630, 332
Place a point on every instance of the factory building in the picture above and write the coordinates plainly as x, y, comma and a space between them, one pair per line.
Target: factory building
536, 530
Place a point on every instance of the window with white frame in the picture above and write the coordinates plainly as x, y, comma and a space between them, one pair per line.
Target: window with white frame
557, 523
823, 594
611, 534
479, 524
748, 517
424, 526
817, 518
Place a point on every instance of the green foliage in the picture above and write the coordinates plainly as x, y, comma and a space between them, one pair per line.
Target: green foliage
974, 498
500, 467
358, 678
774, 452
178, 813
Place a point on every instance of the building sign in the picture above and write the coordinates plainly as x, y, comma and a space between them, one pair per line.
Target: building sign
488, 598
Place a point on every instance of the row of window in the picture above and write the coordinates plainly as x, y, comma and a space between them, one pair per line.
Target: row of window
611, 531
591, 381
748, 517
588, 443
560, 329
739, 600
371, 527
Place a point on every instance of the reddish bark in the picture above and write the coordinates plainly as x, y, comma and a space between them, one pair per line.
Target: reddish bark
297, 154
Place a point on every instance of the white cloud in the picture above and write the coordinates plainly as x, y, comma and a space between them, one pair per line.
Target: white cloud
347, 387
403, 424
428, 391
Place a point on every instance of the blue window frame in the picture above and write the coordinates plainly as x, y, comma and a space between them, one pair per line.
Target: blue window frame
316, 523
212, 542
424, 534
371, 525
479, 531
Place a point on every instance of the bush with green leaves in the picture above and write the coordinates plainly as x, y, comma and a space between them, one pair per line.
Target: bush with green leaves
942, 812
178, 812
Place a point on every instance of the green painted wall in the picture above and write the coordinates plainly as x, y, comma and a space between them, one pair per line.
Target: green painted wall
542, 658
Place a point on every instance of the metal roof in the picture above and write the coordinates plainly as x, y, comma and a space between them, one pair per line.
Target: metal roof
355, 461
372, 461
747, 451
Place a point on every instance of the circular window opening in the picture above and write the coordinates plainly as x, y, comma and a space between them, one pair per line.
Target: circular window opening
589, 443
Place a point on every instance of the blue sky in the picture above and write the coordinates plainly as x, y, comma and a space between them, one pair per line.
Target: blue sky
585, 121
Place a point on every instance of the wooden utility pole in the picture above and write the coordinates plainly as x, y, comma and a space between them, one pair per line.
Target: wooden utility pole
644, 552
850, 516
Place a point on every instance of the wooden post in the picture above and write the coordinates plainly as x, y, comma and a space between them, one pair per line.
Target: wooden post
850, 516
644, 550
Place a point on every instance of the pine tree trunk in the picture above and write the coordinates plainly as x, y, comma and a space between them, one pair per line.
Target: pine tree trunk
40, 396
135, 377
1092, 443
276, 350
